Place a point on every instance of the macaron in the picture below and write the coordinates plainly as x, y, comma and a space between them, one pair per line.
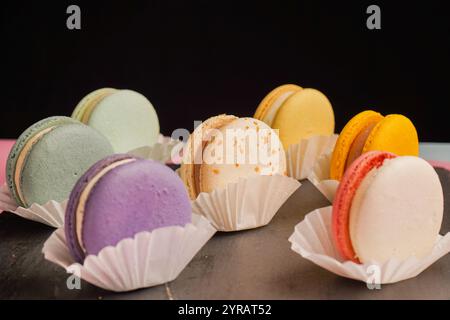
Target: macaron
125, 117
297, 113
225, 148
369, 131
49, 157
118, 197
5, 147
387, 206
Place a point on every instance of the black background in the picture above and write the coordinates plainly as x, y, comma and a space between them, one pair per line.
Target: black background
198, 59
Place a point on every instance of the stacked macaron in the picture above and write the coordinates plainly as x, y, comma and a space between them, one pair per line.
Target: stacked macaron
49, 157
118, 197
125, 117
387, 206
369, 131
225, 148
297, 113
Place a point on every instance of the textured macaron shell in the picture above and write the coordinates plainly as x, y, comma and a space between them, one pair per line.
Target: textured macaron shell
127, 119
397, 211
5, 147
193, 152
396, 134
70, 225
137, 196
13, 171
305, 113
245, 147
58, 159
343, 200
346, 138
269, 106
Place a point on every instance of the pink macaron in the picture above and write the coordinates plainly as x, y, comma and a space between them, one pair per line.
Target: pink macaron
387, 206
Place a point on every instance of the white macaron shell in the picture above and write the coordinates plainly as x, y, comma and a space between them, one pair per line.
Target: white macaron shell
217, 171
397, 211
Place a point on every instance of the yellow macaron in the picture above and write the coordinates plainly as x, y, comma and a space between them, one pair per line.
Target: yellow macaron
370, 131
297, 113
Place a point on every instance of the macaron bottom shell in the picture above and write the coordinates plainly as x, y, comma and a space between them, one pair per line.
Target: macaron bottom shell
305, 113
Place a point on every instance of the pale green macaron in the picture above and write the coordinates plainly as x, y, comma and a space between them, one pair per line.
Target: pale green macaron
125, 117
49, 157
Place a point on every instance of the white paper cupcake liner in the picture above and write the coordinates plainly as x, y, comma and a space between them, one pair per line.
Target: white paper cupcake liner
51, 213
320, 177
6, 202
312, 239
148, 259
302, 157
246, 204
161, 151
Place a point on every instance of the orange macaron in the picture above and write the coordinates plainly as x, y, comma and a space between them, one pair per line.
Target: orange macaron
370, 131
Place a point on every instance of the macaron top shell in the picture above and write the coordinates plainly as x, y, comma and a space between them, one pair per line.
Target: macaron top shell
68, 148
125, 117
397, 211
406, 141
305, 113
255, 150
136, 195
346, 138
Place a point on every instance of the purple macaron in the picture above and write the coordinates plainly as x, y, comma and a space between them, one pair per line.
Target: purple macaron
120, 196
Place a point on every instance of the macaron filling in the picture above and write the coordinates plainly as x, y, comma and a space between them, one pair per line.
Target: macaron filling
21, 160
79, 214
357, 146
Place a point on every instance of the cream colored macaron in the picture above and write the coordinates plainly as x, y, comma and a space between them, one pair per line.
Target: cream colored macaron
225, 148
397, 211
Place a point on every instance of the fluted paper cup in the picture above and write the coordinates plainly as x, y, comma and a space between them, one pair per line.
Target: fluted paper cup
165, 150
50, 213
148, 259
6, 202
320, 177
302, 157
247, 204
312, 239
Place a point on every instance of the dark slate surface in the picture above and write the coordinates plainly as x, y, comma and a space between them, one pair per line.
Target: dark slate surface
253, 264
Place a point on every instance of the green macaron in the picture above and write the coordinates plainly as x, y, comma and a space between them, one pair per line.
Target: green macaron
125, 117
49, 157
